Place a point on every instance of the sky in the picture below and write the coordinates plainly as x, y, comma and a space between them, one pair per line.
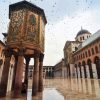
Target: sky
65, 18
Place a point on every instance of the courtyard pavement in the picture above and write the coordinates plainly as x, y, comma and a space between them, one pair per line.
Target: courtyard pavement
65, 89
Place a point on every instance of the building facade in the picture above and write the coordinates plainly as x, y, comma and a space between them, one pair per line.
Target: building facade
86, 58
59, 70
69, 48
48, 72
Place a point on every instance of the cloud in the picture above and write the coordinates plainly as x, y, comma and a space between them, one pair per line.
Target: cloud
64, 30
64, 21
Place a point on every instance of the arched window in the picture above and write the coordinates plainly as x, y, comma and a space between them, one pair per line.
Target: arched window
79, 56
74, 58
92, 50
86, 53
76, 48
83, 37
87, 36
80, 38
96, 49
89, 52
83, 55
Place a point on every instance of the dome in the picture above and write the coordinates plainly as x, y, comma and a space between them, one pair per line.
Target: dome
83, 32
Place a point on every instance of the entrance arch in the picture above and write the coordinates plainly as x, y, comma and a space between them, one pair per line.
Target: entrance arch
97, 62
89, 63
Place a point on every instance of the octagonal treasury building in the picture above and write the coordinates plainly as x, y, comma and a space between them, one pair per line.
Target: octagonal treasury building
26, 35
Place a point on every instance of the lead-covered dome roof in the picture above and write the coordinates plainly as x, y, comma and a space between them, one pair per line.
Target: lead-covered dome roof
83, 31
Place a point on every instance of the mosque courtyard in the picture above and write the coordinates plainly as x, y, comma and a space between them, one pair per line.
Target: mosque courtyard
65, 89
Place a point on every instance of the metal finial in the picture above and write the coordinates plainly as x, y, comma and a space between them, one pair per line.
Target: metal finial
81, 28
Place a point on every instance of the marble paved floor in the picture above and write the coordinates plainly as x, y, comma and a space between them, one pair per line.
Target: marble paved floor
66, 89
76, 89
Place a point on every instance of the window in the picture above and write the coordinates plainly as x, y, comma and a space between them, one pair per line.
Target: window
83, 37
76, 48
96, 49
89, 52
86, 53
87, 36
80, 38
77, 57
92, 50
83, 55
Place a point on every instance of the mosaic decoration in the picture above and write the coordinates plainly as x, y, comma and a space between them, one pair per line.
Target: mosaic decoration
16, 22
42, 42
26, 26
32, 30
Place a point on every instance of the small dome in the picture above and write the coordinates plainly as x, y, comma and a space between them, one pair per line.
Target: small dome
83, 32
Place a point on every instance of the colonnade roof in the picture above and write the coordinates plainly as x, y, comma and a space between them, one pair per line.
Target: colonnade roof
91, 38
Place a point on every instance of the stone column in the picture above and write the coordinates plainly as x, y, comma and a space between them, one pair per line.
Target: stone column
76, 72
25, 85
71, 70
26, 71
14, 73
87, 71
19, 75
78, 69
4, 78
41, 73
35, 74
82, 70
94, 71
85, 75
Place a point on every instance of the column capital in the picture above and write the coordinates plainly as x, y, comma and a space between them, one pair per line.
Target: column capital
16, 57
41, 57
8, 52
21, 51
36, 54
